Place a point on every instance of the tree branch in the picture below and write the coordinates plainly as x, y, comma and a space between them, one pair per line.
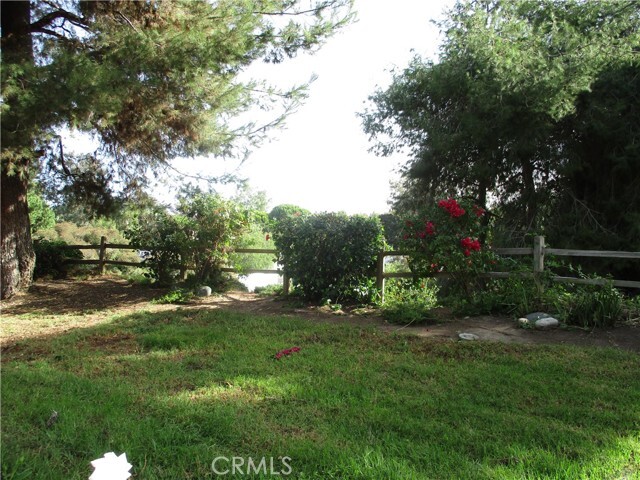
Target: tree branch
50, 17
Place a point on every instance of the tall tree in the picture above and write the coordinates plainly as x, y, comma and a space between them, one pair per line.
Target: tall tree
486, 120
149, 80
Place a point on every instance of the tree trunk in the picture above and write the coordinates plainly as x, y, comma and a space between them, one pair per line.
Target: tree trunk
17, 258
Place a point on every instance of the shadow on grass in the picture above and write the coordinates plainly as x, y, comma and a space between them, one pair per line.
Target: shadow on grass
75, 297
174, 390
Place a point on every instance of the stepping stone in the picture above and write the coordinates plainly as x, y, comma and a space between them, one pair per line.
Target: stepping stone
468, 336
547, 323
532, 317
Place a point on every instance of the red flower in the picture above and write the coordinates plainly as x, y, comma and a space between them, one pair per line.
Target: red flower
468, 244
479, 211
267, 237
452, 207
430, 228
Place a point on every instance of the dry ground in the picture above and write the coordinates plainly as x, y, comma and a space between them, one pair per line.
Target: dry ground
52, 307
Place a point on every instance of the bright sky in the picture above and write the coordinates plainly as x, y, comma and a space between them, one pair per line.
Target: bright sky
321, 161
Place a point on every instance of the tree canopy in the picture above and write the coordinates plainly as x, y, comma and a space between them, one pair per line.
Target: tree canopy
149, 81
528, 100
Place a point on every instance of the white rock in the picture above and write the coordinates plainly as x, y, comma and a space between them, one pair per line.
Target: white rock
204, 291
532, 317
468, 336
523, 322
546, 323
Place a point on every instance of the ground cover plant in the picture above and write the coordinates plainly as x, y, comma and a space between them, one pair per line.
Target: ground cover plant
176, 389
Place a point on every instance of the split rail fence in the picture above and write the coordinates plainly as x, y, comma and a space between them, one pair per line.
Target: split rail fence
538, 251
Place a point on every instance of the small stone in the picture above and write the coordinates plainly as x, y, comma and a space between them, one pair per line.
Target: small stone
204, 291
524, 322
532, 317
468, 336
547, 323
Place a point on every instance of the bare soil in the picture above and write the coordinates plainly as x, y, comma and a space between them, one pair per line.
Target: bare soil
53, 307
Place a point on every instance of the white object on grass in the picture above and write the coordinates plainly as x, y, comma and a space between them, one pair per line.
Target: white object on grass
111, 467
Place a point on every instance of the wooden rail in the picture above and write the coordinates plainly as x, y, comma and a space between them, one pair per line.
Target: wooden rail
539, 251
102, 261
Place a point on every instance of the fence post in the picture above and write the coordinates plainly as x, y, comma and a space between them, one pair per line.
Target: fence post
102, 254
538, 254
538, 262
380, 275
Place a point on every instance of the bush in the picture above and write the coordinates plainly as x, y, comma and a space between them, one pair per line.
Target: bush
174, 297
592, 306
410, 301
449, 237
50, 256
330, 255
197, 238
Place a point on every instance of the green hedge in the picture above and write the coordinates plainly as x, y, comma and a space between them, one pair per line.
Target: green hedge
330, 255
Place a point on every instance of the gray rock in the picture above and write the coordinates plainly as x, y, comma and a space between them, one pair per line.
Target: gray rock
532, 317
546, 323
468, 336
524, 322
204, 291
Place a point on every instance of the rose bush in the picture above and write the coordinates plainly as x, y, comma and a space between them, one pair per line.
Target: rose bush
448, 237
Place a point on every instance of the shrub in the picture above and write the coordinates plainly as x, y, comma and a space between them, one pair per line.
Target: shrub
175, 297
592, 306
198, 237
449, 237
330, 255
410, 301
50, 256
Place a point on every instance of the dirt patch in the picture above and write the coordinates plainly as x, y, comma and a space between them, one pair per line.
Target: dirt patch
52, 307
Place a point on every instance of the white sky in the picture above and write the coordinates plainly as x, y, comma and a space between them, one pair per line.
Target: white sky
321, 161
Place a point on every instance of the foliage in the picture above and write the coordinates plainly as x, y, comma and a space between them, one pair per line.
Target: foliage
520, 110
198, 237
254, 237
448, 237
148, 82
285, 211
90, 234
50, 258
330, 255
591, 306
177, 297
41, 215
392, 225
410, 301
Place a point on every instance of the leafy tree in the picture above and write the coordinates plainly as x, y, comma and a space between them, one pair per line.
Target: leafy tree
198, 237
42, 216
487, 120
150, 81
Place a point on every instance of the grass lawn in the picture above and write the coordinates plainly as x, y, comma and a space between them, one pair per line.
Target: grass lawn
175, 390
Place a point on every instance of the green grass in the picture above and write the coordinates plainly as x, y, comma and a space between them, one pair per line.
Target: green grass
174, 390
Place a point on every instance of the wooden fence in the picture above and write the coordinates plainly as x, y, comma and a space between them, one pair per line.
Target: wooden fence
102, 261
538, 251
